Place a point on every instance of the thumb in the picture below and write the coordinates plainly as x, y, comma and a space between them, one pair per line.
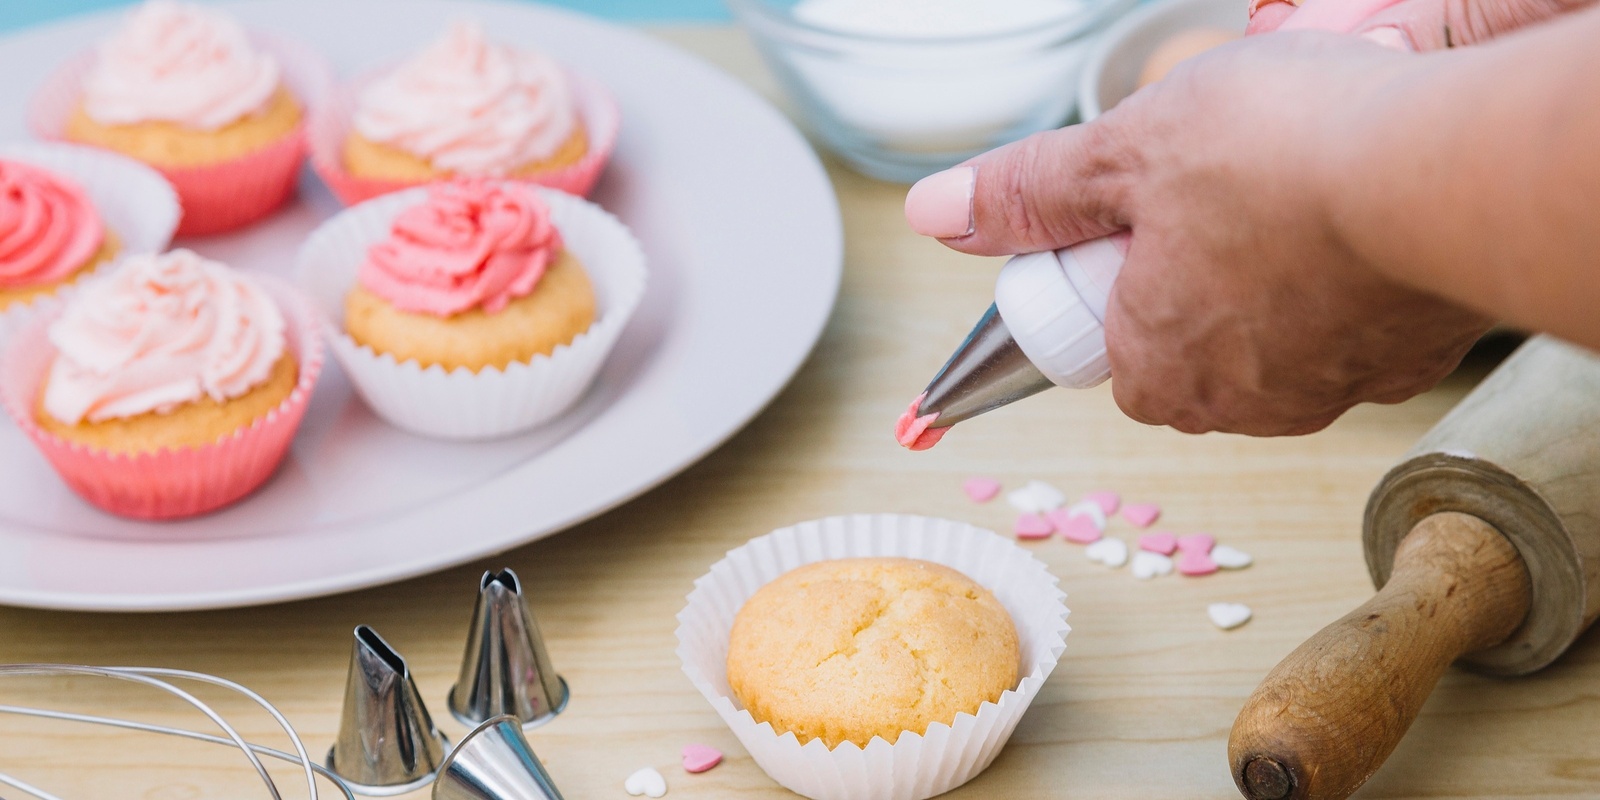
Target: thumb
1050, 190
1438, 24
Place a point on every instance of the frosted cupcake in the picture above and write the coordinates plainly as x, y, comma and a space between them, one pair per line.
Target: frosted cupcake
476, 308
465, 107
186, 90
171, 386
50, 233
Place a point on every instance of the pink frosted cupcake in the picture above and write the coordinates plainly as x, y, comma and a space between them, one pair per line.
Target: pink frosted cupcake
186, 90
169, 387
465, 107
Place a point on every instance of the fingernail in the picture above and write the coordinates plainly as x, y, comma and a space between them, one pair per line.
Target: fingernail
1391, 37
1257, 5
940, 205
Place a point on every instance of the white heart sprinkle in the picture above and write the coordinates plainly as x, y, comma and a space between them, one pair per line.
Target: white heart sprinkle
1036, 497
1109, 551
1228, 616
1090, 509
1230, 557
1147, 565
646, 782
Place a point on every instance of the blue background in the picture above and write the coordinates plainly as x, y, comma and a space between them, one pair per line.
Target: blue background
17, 13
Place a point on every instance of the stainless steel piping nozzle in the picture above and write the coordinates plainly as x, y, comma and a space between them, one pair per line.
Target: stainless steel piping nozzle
987, 371
505, 669
494, 762
387, 743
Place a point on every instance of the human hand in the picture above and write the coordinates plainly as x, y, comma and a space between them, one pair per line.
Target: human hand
1240, 308
1416, 25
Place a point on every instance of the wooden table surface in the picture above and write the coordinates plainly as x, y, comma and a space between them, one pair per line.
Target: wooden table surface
1140, 705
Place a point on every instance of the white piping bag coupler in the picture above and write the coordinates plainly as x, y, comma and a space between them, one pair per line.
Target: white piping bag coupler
1046, 328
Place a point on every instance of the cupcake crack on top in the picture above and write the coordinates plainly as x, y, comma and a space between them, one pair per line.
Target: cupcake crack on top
852, 649
50, 233
182, 86
468, 107
475, 277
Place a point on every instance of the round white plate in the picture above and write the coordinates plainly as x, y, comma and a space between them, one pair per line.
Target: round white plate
745, 246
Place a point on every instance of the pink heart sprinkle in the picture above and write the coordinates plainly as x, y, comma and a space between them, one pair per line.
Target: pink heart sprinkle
1078, 528
1033, 526
699, 757
1141, 514
1163, 543
1197, 543
1195, 563
1109, 502
981, 490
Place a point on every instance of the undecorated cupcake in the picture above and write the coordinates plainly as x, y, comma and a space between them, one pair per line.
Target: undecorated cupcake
465, 107
67, 210
186, 90
881, 655
169, 387
473, 309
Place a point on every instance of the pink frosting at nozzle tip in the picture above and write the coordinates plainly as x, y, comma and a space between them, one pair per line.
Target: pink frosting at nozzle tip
912, 431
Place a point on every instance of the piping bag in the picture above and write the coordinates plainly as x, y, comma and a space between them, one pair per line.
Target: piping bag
1047, 325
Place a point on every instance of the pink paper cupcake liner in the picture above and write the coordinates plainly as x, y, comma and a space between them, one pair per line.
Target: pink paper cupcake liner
330, 126
168, 483
216, 197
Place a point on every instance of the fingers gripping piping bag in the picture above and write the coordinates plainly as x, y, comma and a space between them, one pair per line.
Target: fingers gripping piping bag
1047, 325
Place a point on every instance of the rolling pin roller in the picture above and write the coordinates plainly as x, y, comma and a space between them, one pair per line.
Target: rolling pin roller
1485, 546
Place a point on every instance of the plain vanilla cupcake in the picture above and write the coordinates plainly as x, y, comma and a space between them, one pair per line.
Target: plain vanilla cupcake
169, 386
187, 90
466, 106
50, 233
475, 276
851, 649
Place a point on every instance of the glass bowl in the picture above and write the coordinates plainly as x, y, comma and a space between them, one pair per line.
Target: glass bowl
900, 108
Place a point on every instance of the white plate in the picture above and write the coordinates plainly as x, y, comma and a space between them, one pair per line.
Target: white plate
743, 235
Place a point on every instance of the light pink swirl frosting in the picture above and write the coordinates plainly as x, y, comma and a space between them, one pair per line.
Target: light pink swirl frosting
48, 227
470, 106
177, 62
472, 244
158, 332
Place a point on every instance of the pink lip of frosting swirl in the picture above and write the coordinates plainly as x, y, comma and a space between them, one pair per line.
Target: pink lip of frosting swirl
911, 429
48, 227
177, 62
158, 332
470, 106
471, 244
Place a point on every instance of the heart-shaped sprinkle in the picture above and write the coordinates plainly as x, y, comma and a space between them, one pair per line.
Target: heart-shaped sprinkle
1111, 552
646, 782
1228, 616
1230, 557
1195, 563
1033, 526
1163, 543
1090, 509
1142, 515
1036, 497
1108, 502
1197, 543
1075, 528
981, 490
1147, 565
699, 757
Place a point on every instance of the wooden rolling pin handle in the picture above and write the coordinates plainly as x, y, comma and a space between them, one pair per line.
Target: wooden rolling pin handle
1329, 714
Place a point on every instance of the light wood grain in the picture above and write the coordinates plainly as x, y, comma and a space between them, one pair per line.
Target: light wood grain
1140, 706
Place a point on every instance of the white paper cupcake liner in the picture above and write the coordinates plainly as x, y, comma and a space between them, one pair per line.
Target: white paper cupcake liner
462, 404
916, 766
136, 204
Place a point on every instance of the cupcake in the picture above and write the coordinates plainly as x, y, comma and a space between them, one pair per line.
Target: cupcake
169, 387
186, 90
473, 309
465, 107
882, 656
50, 233
851, 649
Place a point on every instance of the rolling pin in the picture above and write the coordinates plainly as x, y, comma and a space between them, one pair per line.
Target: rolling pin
1484, 544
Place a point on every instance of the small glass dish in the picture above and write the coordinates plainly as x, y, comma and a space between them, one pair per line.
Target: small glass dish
900, 108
